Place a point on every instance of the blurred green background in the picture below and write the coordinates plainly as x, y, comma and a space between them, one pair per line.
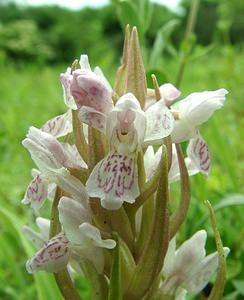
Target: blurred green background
38, 43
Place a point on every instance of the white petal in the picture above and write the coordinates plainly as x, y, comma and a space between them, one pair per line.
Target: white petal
202, 275
36, 238
92, 118
190, 254
194, 110
44, 226
114, 180
36, 192
160, 122
169, 93
93, 235
48, 143
75, 160
84, 62
71, 215
151, 161
59, 126
99, 72
198, 152
70, 184
41, 156
52, 257
66, 79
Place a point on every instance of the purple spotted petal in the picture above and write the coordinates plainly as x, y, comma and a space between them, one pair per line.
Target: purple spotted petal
52, 257
114, 180
36, 192
198, 152
59, 126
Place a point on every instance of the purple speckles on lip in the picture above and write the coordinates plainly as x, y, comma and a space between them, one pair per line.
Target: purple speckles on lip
116, 174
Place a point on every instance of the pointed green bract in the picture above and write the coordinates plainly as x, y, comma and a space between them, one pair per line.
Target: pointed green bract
152, 257
115, 277
136, 76
219, 285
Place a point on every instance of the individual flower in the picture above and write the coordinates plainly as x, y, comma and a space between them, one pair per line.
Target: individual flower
188, 267
53, 160
78, 240
128, 128
197, 160
194, 110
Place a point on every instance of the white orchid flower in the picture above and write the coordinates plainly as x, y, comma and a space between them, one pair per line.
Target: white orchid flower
128, 128
79, 240
53, 160
194, 110
188, 267
197, 160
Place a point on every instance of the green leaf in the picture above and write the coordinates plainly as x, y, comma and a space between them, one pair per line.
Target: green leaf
115, 277
162, 41
227, 201
127, 13
239, 285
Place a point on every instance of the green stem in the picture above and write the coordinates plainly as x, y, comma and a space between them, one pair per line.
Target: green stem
189, 30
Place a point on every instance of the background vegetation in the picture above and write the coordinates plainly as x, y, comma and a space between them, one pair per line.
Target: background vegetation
37, 43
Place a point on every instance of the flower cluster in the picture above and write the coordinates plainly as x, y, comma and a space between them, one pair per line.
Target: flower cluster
107, 184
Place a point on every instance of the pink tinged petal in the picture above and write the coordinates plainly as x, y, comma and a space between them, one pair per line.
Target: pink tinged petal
36, 192
190, 254
169, 93
71, 215
126, 119
66, 79
135, 121
160, 123
202, 275
93, 236
114, 180
93, 118
36, 238
52, 257
198, 152
49, 143
59, 126
90, 89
